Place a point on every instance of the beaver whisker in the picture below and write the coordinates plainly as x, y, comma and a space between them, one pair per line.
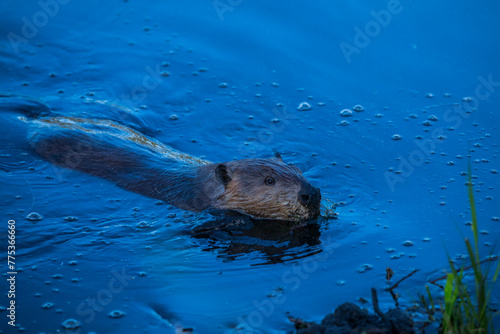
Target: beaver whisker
327, 208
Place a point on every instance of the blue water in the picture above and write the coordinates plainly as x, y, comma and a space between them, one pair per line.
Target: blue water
211, 81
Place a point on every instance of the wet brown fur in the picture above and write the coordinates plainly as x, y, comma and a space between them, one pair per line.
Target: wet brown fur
144, 165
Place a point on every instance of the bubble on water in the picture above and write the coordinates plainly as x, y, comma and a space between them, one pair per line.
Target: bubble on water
275, 84
364, 267
397, 256
47, 306
358, 108
203, 69
57, 276
116, 314
429, 95
396, 137
174, 117
165, 73
390, 250
495, 219
70, 218
344, 123
413, 116
433, 118
304, 106
142, 274
427, 123
142, 224
426, 239
442, 203
71, 324
340, 282
484, 232
34, 216
223, 85
379, 115
447, 95
450, 163
408, 243
165, 64
494, 171
346, 112
467, 99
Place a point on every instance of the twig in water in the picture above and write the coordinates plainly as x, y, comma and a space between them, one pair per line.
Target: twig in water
493, 258
395, 296
375, 306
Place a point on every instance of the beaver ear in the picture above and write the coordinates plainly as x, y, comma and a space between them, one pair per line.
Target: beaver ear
277, 155
222, 174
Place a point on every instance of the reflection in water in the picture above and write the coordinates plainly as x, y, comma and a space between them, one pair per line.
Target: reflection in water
233, 235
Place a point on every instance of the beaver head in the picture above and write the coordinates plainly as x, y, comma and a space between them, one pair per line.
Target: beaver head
267, 189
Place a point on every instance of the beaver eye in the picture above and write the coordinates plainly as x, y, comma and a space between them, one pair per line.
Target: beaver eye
269, 181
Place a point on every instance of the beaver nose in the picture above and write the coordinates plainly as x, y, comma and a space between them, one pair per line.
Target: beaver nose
309, 196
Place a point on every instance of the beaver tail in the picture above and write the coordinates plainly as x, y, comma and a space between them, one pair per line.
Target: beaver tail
27, 106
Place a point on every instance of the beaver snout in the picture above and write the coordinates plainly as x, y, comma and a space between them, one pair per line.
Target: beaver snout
310, 197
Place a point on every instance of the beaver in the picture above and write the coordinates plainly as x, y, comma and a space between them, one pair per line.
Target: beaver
260, 188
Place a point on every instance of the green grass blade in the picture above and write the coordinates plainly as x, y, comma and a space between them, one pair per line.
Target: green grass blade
473, 213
